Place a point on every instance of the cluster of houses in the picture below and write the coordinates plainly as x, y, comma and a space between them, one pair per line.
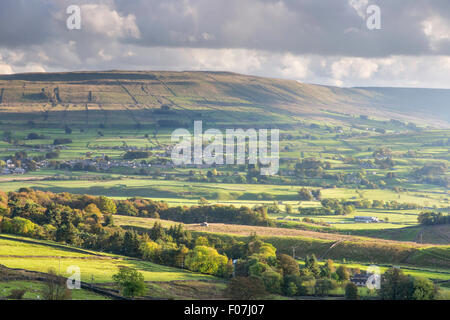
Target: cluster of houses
100, 163
163, 150
122, 147
79, 164
10, 168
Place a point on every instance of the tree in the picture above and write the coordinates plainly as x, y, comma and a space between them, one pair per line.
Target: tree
55, 287
289, 209
324, 286
395, 285
206, 260
126, 208
245, 288
312, 265
257, 269
272, 281
150, 250
342, 273
92, 210
327, 269
18, 225
351, 291
130, 281
106, 205
202, 241
291, 289
109, 220
131, 243
424, 289
288, 265
305, 195
157, 232
290, 282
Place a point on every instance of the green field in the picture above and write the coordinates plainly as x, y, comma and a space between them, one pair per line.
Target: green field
34, 289
96, 269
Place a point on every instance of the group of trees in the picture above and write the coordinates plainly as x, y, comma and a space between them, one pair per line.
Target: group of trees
309, 195
62, 141
193, 214
281, 274
433, 218
131, 155
345, 207
284, 276
260, 267
311, 168
87, 221
338, 207
35, 136
397, 286
329, 207
176, 247
433, 173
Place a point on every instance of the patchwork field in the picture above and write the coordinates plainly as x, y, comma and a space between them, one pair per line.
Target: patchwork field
109, 134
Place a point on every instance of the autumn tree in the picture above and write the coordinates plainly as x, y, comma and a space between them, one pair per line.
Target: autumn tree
351, 291
246, 288
130, 282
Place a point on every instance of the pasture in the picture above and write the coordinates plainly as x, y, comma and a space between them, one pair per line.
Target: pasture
95, 268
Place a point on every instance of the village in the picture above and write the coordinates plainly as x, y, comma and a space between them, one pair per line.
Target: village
20, 164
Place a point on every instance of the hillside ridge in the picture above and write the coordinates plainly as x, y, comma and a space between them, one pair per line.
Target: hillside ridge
225, 91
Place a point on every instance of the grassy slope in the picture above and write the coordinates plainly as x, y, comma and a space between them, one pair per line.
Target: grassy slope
34, 291
100, 268
131, 93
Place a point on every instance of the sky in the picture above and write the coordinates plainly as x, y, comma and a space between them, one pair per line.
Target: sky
332, 42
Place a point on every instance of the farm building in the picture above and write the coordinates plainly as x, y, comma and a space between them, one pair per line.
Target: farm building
366, 219
360, 279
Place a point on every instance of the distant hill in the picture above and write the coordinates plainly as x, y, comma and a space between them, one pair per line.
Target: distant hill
222, 95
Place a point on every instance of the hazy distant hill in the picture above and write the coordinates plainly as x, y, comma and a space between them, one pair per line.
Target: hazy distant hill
235, 95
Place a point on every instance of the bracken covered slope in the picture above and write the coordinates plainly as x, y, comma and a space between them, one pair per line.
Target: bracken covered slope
219, 95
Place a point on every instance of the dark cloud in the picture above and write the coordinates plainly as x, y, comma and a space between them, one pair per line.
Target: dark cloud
323, 41
25, 22
331, 27
327, 27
